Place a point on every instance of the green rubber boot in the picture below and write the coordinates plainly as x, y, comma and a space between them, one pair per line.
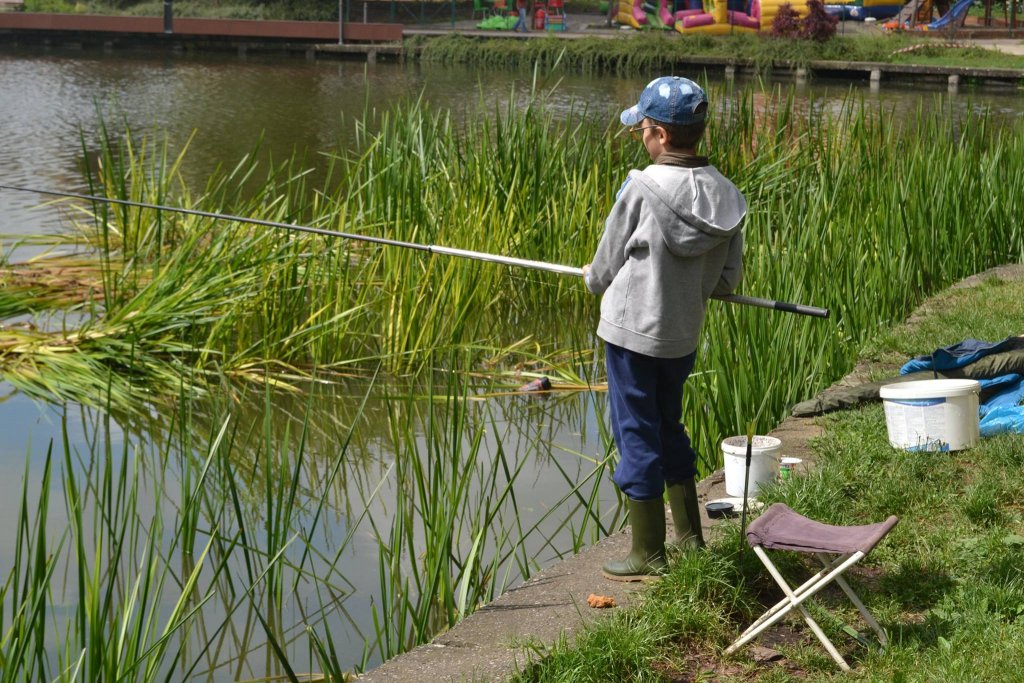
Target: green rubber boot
646, 559
682, 498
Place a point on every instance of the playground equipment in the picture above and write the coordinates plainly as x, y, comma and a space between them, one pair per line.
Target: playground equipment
916, 15
766, 10
642, 14
954, 17
555, 19
859, 10
913, 13
715, 17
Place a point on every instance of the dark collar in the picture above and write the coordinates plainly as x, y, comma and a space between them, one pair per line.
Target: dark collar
682, 160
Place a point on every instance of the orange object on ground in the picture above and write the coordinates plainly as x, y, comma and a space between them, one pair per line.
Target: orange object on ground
600, 601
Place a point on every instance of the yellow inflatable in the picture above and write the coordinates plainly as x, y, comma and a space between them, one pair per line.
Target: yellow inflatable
770, 8
718, 20
714, 18
628, 16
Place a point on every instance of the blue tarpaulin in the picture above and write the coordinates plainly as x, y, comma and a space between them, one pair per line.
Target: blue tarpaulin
1002, 411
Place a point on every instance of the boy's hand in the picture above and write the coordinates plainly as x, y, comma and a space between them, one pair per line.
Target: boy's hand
586, 269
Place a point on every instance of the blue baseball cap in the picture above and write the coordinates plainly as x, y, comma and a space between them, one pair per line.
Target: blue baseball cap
669, 99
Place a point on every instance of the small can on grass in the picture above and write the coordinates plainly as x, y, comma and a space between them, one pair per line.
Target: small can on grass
786, 466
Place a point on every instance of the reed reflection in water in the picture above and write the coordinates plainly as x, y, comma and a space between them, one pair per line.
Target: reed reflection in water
292, 531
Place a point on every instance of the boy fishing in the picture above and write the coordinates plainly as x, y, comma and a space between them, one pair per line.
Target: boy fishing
672, 240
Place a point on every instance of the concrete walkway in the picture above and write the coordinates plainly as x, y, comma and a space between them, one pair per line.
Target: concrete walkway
1011, 46
487, 645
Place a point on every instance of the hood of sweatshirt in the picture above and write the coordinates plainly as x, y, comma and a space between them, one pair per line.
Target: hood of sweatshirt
696, 209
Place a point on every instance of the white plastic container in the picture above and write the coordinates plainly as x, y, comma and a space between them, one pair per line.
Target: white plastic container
764, 463
932, 414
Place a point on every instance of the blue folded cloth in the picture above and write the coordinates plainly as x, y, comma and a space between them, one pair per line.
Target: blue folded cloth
1001, 412
958, 355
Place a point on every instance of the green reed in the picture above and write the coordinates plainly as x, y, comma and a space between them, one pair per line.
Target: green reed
188, 551
457, 537
855, 208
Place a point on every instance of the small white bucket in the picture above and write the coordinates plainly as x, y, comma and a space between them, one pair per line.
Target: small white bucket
932, 414
764, 463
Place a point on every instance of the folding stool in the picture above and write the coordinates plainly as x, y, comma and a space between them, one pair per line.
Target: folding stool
837, 547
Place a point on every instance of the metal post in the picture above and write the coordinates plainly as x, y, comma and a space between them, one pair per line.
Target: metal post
168, 17
341, 22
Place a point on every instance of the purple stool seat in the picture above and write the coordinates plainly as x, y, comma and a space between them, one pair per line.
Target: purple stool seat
837, 548
781, 528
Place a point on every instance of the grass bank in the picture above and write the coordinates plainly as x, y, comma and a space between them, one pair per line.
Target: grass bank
946, 584
656, 51
634, 52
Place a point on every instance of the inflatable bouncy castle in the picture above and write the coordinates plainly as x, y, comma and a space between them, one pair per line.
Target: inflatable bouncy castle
716, 17
765, 10
643, 14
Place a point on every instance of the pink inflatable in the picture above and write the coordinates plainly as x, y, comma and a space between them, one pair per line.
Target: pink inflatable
741, 19
683, 13
702, 19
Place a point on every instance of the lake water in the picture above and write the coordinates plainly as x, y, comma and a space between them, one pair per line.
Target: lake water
545, 452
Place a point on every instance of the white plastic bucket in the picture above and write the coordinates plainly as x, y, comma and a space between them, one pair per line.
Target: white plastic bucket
764, 463
932, 414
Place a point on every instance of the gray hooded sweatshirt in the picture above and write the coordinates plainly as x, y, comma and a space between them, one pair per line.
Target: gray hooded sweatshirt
672, 240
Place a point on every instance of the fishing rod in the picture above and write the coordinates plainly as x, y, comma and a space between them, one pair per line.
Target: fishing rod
783, 306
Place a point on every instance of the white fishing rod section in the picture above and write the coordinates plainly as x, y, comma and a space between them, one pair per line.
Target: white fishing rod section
783, 306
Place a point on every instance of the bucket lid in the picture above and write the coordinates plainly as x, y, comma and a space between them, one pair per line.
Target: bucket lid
719, 508
737, 445
930, 388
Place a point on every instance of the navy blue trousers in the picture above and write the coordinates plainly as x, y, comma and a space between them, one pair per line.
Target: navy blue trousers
646, 399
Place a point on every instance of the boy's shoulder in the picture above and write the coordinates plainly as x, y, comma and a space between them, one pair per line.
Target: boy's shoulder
703, 175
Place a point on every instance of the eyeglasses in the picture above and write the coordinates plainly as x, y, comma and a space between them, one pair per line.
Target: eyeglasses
638, 131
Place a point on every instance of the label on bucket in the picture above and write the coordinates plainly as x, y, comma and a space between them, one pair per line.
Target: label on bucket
918, 401
917, 423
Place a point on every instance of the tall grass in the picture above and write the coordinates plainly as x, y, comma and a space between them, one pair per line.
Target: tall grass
630, 54
457, 510
853, 208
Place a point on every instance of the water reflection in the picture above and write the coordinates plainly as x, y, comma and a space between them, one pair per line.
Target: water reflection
334, 511
49, 98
